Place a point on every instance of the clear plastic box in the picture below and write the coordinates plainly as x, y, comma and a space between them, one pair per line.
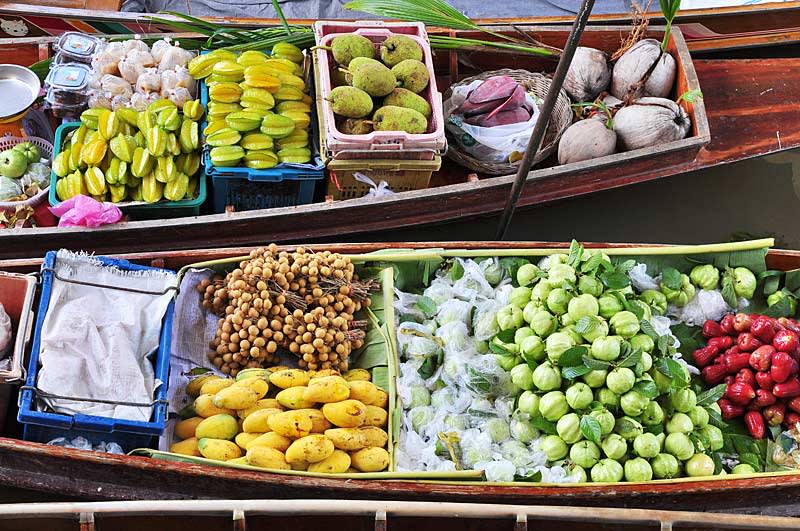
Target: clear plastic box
68, 89
77, 47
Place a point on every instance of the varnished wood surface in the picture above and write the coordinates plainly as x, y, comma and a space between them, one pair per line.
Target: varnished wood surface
752, 111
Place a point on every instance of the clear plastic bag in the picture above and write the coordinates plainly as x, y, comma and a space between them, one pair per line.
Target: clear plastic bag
121, 101
37, 174
105, 64
484, 323
454, 335
440, 291
130, 71
472, 283
149, 81
115, 86
416, 341
159, 48
179, 96
174, 56
135, 44
98, 99
139, 101
454, 310
9, 188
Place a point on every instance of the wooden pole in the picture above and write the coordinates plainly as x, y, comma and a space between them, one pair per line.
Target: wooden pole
544, 116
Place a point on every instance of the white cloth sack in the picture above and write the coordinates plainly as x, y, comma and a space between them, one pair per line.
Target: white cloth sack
494, 144
98, 342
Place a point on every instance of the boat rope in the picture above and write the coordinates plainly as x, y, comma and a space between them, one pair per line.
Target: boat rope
106, 286
44, 394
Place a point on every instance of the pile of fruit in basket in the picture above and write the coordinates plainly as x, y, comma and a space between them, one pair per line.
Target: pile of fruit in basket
136, 155
22, 172
756, 357
377, 86
259, 107
318, 421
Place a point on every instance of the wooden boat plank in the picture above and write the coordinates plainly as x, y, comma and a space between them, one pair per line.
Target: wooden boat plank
751, 108
98, 476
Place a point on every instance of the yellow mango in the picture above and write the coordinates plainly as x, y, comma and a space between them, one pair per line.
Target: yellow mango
194, 387
322, 373
257, 421
366, 392
374, 436
309, 449
349, 439
292, 398
238, 461
271, 440
186, 447
336, 463
371, 459
294, 424
357, 374
204, 407
256, 384
346, 414
185, 428
266, 457
244, 438
325, 390
236, 397
251, 373
376, 416
264, 403
383, 399
222, 426
287, 378
318, 420
218, 449
213, 387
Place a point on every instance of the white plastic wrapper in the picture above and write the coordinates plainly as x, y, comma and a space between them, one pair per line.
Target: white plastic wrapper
416, 341
115, 86
179, 96
497, 470
98, 343
149, 80
454, 336
488, 143
641, 280
135, 43
6, 333
485, 319
174, 57
405, 304
703, 306
440, 291
473, 283
454, 310
159, 48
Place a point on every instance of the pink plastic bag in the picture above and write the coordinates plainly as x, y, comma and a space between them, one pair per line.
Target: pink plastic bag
83, 211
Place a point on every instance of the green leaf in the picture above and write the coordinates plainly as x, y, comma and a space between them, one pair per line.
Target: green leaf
655, 429
575, 253
615, 280
586, 324
532, 477
690, 337
544, 425
506, 336
717, 457
590, 428
573, 356
457, 271
690, 96
638, 308
497, 349
706, 398
594, 364
728, 291
648, 329
715, 419
671, 278
427, 368
792, 280
631, 359
782, 308
771, 285
751, 459
646, 388
570, 373
380, 377
592, 263
663, 343
426, 305
197, 371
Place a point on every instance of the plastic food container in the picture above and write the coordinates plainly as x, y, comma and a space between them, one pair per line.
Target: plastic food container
77, 46
378, 144
68, 89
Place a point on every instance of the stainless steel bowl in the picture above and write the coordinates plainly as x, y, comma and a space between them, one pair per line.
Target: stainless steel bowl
19, 88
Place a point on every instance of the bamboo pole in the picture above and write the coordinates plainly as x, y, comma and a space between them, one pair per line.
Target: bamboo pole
544, 115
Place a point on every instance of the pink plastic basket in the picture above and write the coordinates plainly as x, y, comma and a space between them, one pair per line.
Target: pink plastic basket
8, 142
378, 144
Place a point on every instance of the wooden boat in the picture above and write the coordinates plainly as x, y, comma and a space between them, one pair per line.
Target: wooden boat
748, 119
207, 515
712, 28
96, 476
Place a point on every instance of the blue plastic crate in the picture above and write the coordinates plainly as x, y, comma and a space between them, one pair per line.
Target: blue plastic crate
161, 210
92, 423
252, 189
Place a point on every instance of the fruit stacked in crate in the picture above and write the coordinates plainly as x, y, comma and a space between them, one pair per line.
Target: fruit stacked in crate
379, 102
259, 109
288, 419
145, 155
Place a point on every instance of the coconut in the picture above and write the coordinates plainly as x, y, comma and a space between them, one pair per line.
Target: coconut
588, 74
650, 121
633, 66
586, 139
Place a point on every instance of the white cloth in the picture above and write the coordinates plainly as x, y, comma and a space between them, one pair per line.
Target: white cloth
99, 342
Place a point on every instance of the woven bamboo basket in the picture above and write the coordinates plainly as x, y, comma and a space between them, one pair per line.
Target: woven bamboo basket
536, 85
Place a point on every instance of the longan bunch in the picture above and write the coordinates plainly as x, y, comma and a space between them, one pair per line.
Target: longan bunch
300, 301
